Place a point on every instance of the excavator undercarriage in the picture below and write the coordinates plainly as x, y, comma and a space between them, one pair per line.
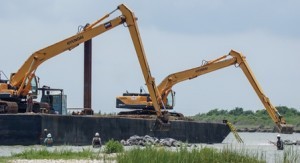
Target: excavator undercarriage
8, 107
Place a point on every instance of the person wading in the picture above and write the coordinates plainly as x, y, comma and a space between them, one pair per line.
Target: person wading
279, 143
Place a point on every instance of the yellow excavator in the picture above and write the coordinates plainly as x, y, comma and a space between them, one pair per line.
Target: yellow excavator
13, 92
141, 103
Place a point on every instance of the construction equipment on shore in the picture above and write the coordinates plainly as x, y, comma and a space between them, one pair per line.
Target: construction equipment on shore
143, 103
13, 92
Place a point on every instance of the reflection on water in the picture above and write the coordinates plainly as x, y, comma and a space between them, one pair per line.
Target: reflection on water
256, 143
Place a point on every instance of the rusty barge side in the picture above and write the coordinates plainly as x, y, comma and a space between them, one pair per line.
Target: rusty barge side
27, 129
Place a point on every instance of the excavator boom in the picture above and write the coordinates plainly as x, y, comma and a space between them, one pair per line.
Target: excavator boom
166, 85
40, 56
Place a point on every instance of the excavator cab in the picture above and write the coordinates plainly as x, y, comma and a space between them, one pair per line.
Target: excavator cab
34, 86
170, 100
142, 101
30, 84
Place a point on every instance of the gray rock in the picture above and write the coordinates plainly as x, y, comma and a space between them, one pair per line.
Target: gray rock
148, 141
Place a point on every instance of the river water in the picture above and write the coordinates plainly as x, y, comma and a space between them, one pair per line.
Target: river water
258, 143
254, 143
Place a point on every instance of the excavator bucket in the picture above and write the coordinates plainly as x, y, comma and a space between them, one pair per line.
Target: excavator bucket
286, 129
162, 123
159, 125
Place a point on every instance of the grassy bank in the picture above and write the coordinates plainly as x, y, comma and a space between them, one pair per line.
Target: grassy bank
153, 155
148, 154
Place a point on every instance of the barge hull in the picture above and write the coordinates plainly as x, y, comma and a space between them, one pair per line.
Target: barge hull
27, 129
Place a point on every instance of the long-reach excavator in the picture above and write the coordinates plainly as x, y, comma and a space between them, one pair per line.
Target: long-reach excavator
13, 92
142, 103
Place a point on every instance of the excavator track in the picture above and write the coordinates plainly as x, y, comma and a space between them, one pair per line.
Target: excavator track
137, 112
149, 112
8, 107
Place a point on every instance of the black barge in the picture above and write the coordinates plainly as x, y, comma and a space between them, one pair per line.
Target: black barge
27, 129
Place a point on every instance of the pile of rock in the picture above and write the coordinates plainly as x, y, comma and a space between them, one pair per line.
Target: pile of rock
148, 140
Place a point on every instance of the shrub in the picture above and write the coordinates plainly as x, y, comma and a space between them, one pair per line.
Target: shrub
113, 146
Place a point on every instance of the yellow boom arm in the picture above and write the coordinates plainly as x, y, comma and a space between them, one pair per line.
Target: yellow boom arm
166, 85
236, 59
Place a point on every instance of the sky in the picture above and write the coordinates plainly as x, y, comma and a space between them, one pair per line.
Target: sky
176, 35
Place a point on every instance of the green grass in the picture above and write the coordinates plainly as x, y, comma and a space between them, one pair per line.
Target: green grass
4, 159
211, 155
159, 154
56, 154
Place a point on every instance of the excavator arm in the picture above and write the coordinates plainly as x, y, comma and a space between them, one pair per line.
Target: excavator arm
137, 41
272, 111
25, 74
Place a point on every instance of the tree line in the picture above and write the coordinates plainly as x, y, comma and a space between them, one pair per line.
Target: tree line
239, 116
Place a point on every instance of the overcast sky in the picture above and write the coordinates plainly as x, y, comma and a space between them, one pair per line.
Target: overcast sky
177, 35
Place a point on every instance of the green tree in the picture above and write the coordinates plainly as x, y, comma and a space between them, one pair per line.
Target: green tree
237, 111
248, 112
213, 112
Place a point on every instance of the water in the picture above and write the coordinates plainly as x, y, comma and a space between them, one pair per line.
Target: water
256, 143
